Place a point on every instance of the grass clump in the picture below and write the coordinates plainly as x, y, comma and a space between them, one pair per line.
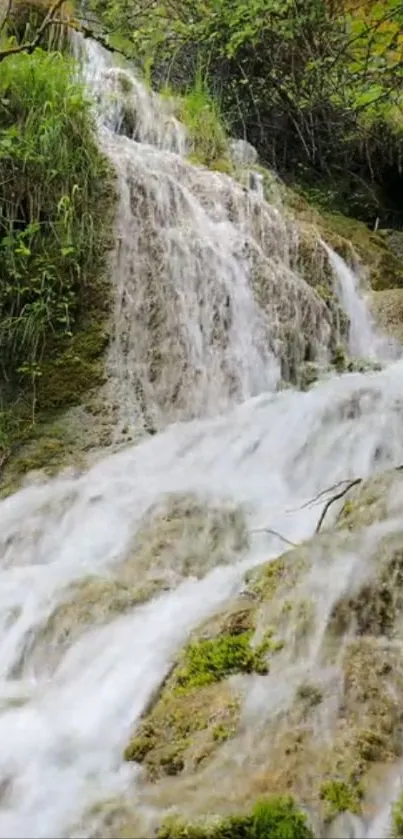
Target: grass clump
339, 797
212, 659
397, 819
271, 818
200, 113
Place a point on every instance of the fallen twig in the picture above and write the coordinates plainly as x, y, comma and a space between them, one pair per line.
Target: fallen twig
317, 498
275, 533
334, 498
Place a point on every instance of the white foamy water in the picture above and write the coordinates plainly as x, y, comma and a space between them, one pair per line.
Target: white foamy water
181, 273
365, 341
62, 748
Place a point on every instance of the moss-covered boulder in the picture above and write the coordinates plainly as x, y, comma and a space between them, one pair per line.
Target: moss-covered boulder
198, 707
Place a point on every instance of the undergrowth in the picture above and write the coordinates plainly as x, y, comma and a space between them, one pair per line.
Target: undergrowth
56, 198
200, 113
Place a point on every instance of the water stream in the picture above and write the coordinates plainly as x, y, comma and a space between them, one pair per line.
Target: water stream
226, 437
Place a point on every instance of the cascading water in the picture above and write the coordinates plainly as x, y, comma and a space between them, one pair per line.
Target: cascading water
364, 339
191, 339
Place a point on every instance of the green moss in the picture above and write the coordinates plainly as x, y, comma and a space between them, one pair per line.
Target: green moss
282, 574
339, 797
397, 819
210, 660
266, 580
309, 694
77, 369
222, 733
182, 730
271, 818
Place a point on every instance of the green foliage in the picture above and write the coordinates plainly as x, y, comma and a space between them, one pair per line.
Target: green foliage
316, 86
212, 659
339, 797
397, 819
55, 202
199, 112
271, 818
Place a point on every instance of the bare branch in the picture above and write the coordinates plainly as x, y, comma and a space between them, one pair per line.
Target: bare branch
317, 498
334, 498
275, 533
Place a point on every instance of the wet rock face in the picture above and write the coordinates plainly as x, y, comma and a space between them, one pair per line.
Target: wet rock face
387, 309
177, 539
308, 696
243, 153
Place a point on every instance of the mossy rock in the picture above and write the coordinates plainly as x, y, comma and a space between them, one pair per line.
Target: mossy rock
376, 608
50, 442
182, 536
184, 729
71, 372
369, 501
372, 702
114, 818
348, 236
340, 797
387, 310
278, 575
197, 708
75, 370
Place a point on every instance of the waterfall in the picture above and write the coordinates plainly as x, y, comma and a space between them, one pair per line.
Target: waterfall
211, 305
364, 339
210, 311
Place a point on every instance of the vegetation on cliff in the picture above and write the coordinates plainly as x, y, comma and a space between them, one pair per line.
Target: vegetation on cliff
56, 199
316, 86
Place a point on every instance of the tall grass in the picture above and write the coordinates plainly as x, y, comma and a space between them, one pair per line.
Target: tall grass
54, 191
200, 112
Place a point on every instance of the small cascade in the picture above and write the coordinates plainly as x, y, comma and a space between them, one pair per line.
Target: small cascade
365, 342
211, 304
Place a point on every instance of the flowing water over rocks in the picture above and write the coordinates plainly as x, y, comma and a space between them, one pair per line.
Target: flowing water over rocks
104, 575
